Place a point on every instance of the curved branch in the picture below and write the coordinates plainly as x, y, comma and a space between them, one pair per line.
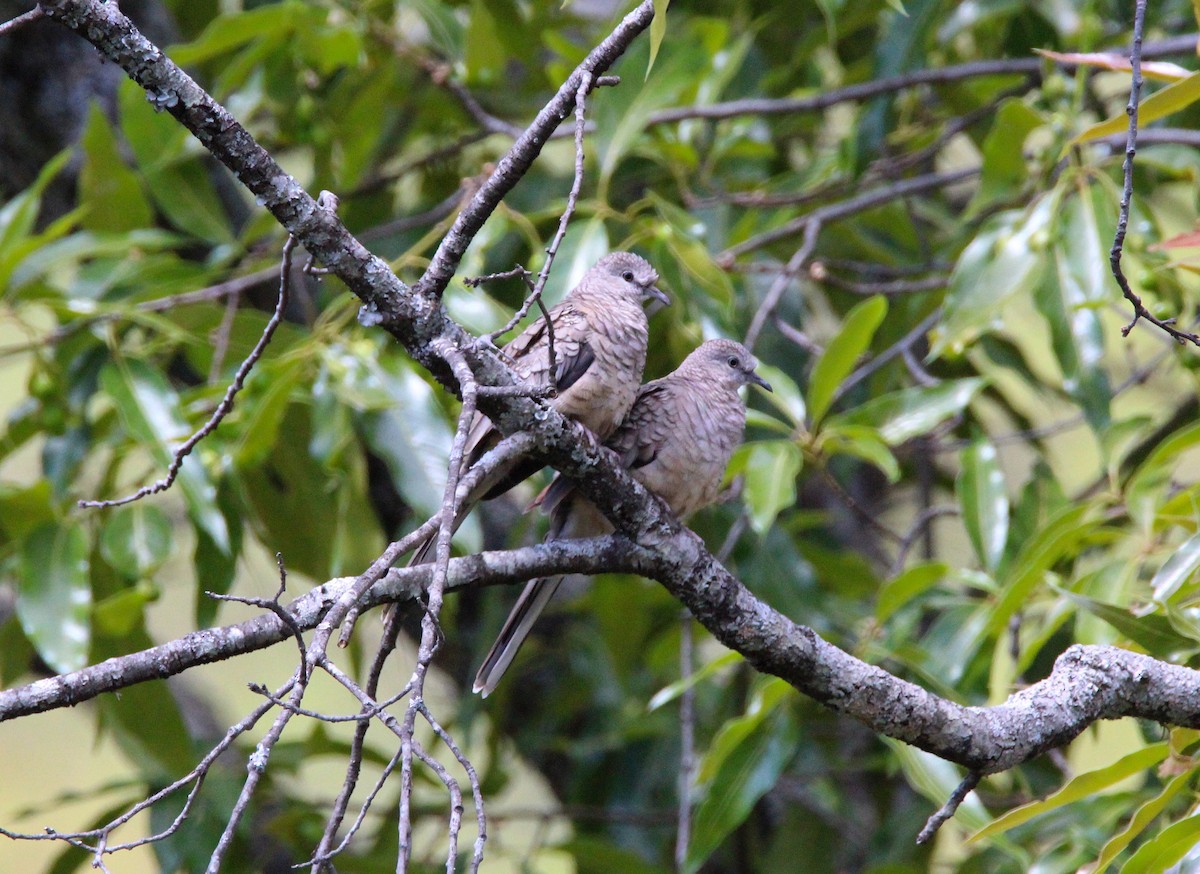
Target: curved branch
217, 644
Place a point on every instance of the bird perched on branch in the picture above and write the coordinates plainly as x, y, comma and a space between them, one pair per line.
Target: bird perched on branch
676, 440
599, 334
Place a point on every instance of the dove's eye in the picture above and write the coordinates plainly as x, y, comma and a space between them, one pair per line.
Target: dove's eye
627, 276
734, 361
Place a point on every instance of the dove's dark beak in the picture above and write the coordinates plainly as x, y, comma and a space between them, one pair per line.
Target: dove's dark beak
759, 381
656, 296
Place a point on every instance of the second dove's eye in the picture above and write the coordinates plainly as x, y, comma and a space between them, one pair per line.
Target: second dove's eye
627, 276
733, 362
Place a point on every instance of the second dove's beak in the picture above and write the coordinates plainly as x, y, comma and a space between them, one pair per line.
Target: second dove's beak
759, 381
654, 293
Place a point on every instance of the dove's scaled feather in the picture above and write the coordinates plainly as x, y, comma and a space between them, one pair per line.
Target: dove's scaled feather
677, 441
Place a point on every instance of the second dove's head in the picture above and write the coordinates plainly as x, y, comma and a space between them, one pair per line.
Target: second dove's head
727, 363
631, 274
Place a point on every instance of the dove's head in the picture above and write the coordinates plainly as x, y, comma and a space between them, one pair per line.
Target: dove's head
632, 274
727, 363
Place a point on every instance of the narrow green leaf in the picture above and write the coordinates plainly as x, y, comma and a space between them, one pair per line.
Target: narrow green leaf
658, 29
1069, 300
1159, 854
842, 353
745, 761
900, 590
911, 412
111, 191
785, 394
54, 595
771, 468
1177, 570
1153, 633
1004, 166
136, 540
1142, 817
1160, 104
1077, 789
667, 694
984, 502
1027, 570
861, 441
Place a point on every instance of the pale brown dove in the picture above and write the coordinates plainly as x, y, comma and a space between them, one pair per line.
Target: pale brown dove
676, 440
600, 336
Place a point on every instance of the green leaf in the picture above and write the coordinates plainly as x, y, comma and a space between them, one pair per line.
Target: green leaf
1006, 256
1171, 845
136, 540
1177, 570
23, 509
669, 693
1055, 539
1004, 165
902, 589
658, 29
111, 191
984, 502
1077, 789
54, 595
785, 394
1160, 104
842, 353
1069, 299
771, 468
227, 32
149, 410
863, 442
745, 761
1142, 817
911, 412
1153, 633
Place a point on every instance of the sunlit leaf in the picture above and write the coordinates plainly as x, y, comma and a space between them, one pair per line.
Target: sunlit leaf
1173, 844
136, 539
1141, 819
771, 469
658, 29
55, 594
1006, 256
669, 693
1177, 570
745, 760
912, 412
984, 502
1077, 789
1160, 104
1163, 71
842, 353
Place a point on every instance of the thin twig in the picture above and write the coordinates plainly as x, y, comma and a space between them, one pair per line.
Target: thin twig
1114, 255
226, 404
277, 608
15, 24
430, 627
952, 804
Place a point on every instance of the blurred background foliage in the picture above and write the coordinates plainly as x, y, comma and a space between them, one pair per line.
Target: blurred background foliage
965, 467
